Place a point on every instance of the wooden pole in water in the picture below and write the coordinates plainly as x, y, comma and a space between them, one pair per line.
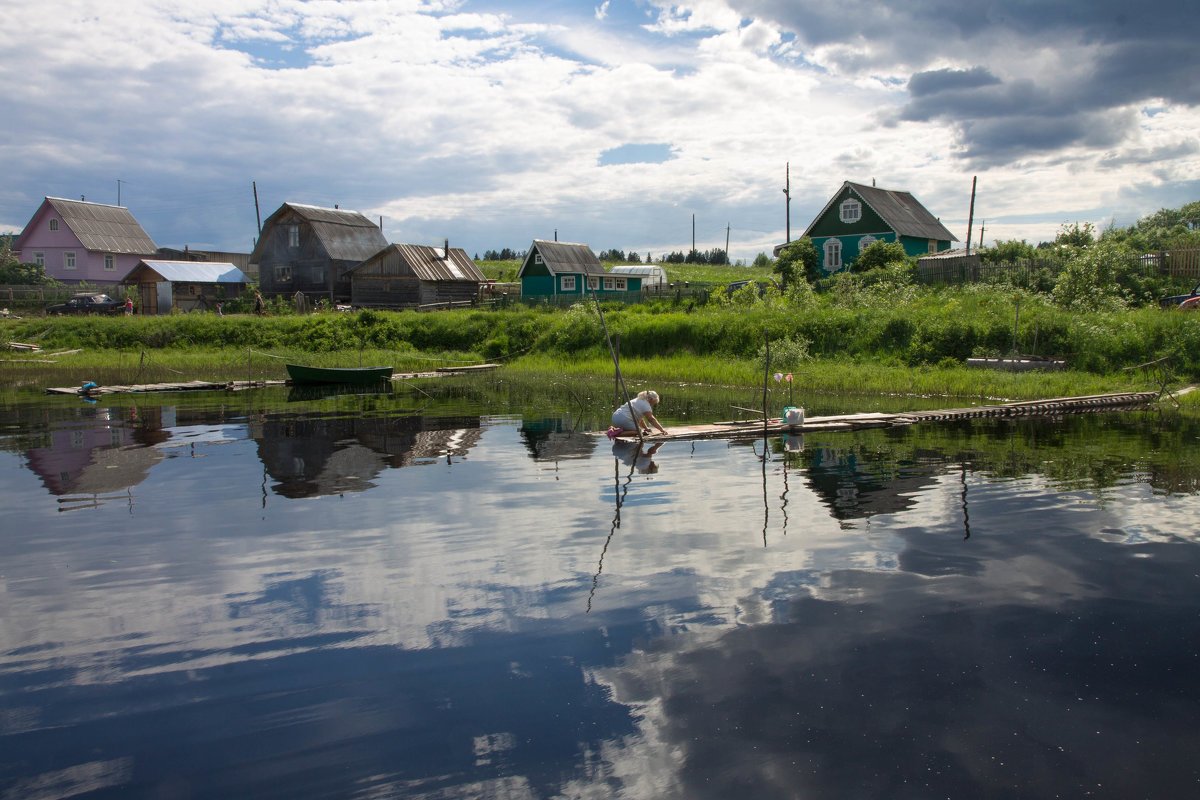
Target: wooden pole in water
617, 364
1016, 322
766, 377
617, 368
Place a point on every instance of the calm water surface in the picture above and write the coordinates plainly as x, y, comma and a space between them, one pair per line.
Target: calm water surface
222, 597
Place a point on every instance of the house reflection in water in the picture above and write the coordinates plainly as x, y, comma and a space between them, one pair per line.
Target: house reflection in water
554, 439
95, 452
855, 483
311, 456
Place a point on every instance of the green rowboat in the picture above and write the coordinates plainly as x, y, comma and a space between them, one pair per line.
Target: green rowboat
301, 374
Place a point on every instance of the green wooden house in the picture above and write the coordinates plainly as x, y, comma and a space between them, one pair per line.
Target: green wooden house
858, 215
569, 272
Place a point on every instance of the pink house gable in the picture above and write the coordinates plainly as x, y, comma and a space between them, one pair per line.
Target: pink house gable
81, 242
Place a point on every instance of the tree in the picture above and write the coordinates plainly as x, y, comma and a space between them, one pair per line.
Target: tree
879, 253
17, 273
799, 259
1076, 235
1007, 252
762, 260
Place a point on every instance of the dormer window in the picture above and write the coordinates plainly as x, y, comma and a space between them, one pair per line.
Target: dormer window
53, 224
851, 210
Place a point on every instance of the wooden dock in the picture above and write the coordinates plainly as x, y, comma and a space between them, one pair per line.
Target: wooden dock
753, 428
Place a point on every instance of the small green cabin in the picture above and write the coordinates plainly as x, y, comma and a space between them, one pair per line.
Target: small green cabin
568, 272
859, 215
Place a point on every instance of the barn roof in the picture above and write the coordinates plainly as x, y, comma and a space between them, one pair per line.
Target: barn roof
434, 263
568, 257
899, 209
196, 271
345, 235
103, 228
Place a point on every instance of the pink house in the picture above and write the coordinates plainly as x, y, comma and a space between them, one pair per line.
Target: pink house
81, 242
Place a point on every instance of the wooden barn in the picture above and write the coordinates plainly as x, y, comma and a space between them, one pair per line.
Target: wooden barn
163, 286
312, 250
416, 276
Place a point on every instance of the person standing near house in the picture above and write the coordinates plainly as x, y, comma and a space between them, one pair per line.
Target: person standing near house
128, 306
259, 306
636, 415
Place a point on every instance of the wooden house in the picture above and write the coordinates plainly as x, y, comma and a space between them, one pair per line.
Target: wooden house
565, 271
312, 250
163, 286
414, 276
859, 215
83, 243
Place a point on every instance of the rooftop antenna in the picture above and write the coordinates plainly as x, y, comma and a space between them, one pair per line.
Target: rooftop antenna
787, 192
118, 191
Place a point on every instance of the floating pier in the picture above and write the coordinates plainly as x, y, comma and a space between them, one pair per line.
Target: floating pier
752, 428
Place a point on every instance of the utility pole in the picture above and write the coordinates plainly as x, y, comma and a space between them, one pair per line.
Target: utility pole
257, 215
118, 192
971, 216
727, 261
787, 192
693, 234
981, 233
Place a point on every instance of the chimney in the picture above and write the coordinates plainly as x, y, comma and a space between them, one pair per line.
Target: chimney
446, 249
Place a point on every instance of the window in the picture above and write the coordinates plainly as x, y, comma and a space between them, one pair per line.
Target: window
69, 259
866, 242
108, 262
293, 236
620, 284
933, 245
593, 283
568, 283
53, 224
608, 284
283, 273
39, 259
851, 210
537, 258
318, 275
833, 255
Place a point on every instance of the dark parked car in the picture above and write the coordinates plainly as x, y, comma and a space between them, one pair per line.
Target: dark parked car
88, 304
1176, 300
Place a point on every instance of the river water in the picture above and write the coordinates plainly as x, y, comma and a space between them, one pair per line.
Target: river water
217, 596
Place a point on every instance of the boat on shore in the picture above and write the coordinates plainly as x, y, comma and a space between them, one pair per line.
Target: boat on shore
301, 374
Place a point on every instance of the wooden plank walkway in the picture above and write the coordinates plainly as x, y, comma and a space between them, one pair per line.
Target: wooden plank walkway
234, 386
747, 429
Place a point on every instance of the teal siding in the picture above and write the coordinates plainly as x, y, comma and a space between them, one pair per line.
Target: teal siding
537, 285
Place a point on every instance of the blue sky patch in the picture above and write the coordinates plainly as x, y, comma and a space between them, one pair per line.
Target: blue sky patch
637, 154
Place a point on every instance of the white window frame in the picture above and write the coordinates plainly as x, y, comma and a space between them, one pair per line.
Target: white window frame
851, 210
537, 258
620, 284
69, 261
566, 283
39, 259
53, 224
833, 255
593, 283
608, 284
110, 263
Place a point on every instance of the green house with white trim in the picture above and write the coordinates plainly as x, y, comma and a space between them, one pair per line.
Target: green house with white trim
568, 272
859, 215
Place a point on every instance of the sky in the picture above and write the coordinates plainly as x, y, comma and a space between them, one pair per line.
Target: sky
638, 125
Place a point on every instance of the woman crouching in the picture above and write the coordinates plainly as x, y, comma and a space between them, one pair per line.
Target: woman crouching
637, 414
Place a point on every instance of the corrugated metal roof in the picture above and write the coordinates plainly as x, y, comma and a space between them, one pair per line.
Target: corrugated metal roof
197, 271
430, 263
101, 228
569, 257
345, 235
902, 211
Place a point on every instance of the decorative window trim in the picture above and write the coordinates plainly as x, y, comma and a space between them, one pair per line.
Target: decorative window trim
833, 255
69, 261
866, 242
109, 262
53, 224
567, 283
851, 210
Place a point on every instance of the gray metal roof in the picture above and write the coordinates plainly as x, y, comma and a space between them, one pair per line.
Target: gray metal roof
104, 229
434, 263
346, 235
568, 257
902, 211
197, 271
